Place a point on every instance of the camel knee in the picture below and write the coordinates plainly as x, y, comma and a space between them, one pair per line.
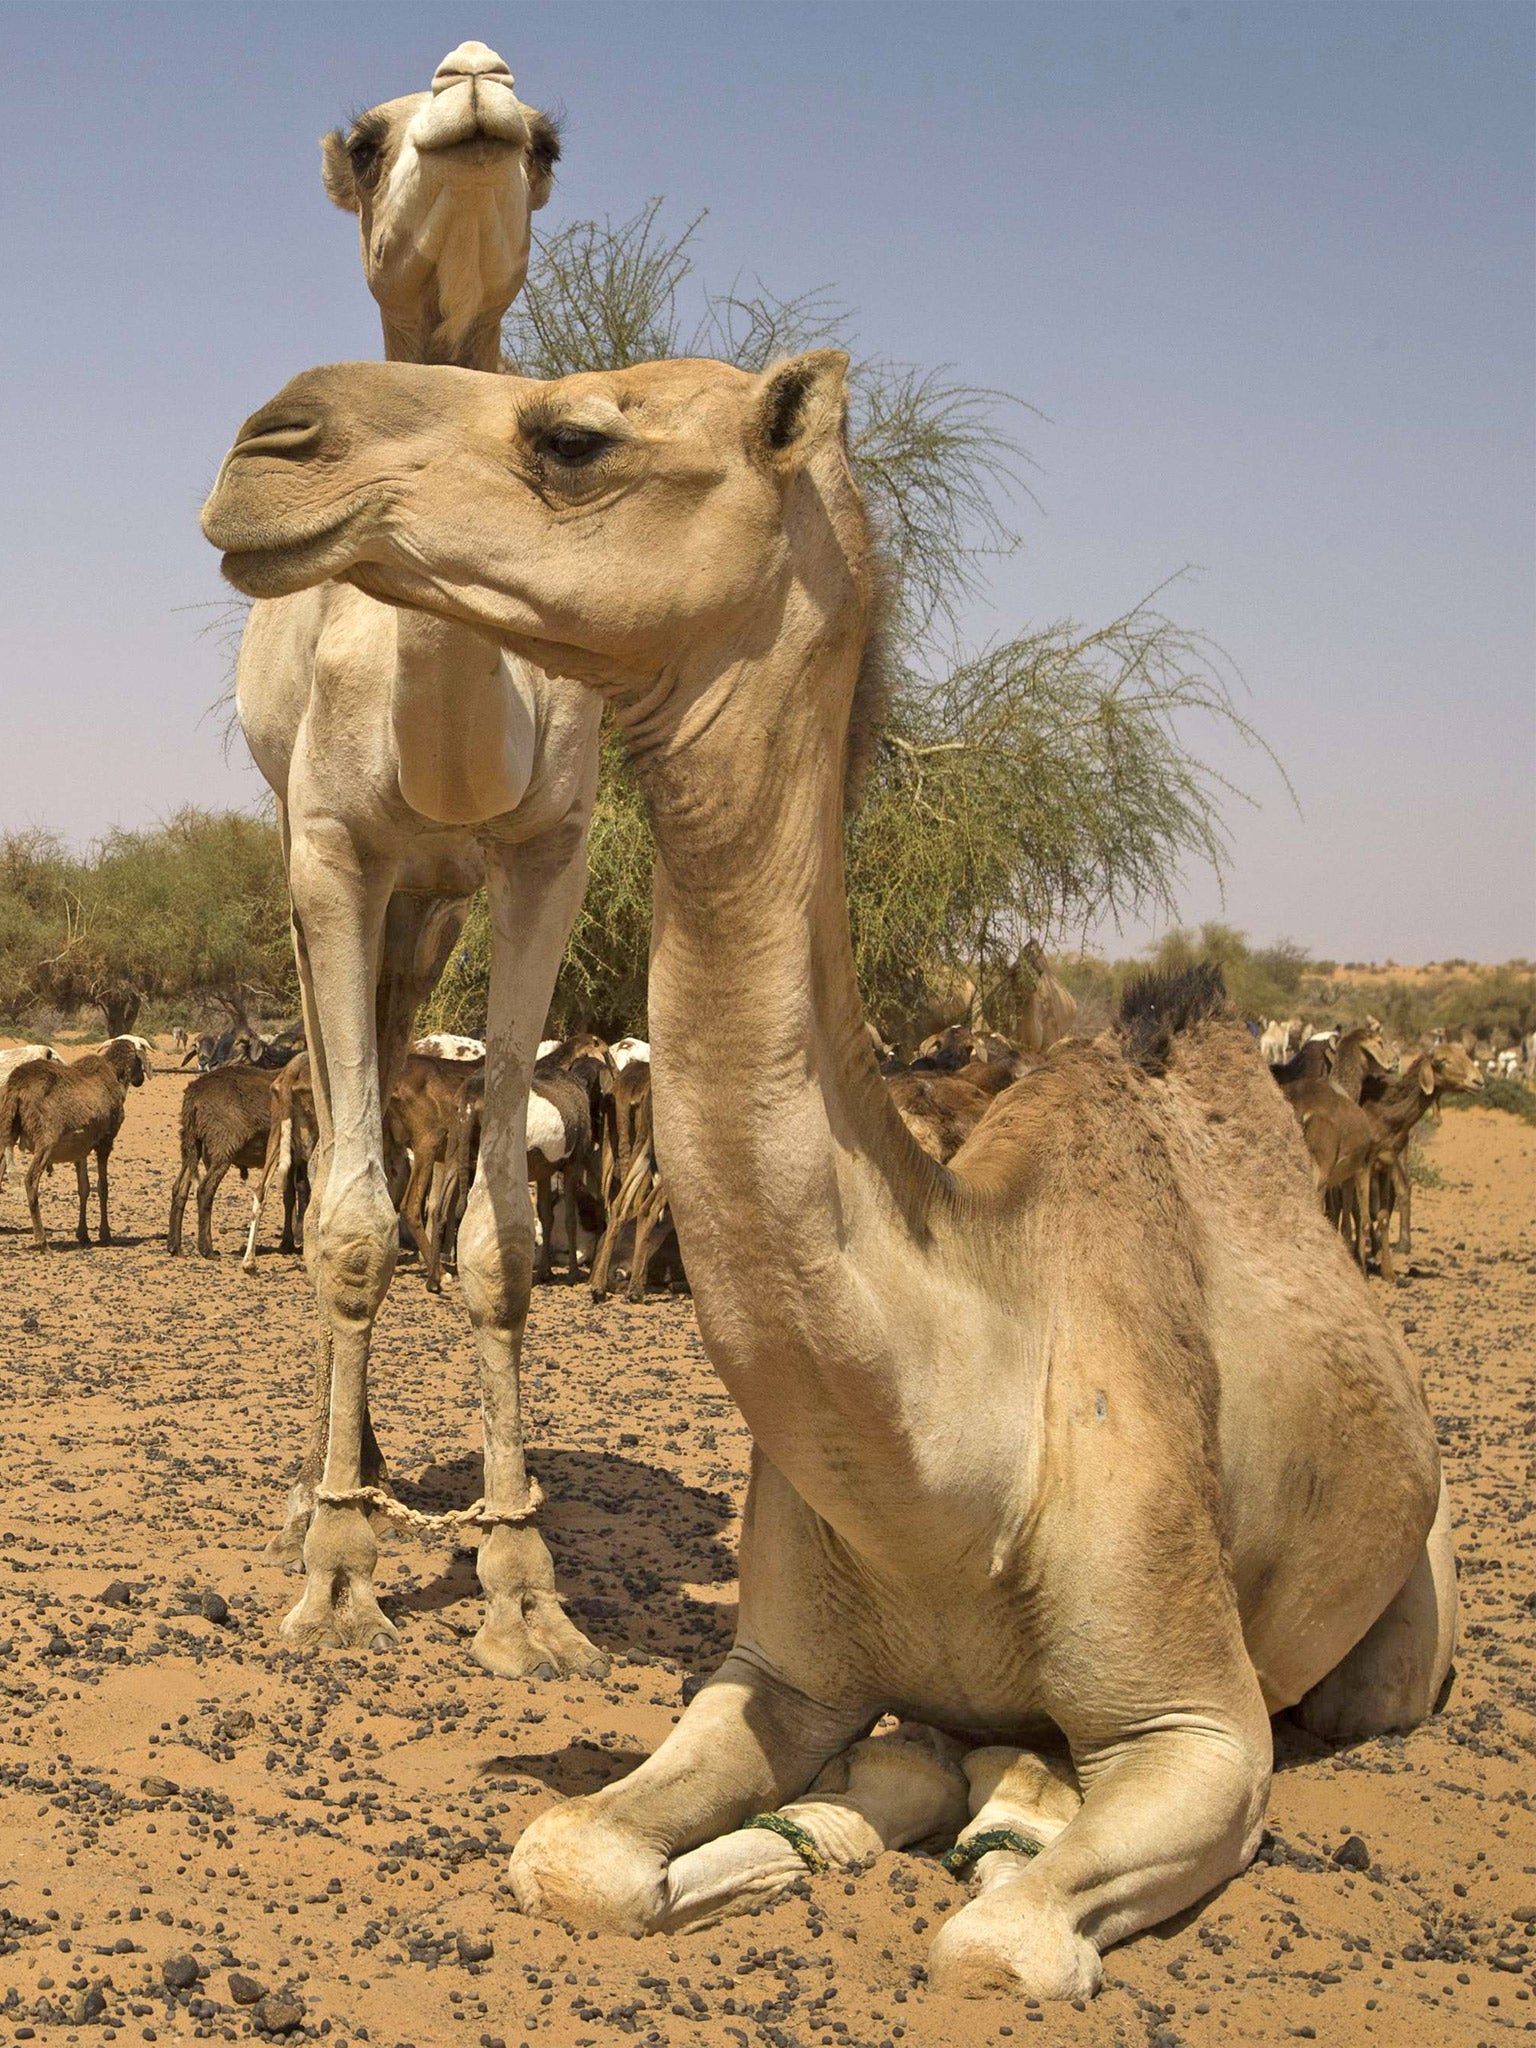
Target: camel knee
1012, 1941
353, 1248
575, 1864
495, 1260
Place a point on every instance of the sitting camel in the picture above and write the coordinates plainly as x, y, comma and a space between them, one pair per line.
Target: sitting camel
1092, 1438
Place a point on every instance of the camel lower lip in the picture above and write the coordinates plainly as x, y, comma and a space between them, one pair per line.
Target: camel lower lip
487, 145
277, 570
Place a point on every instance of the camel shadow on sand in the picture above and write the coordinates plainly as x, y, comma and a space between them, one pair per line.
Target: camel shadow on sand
628, 1540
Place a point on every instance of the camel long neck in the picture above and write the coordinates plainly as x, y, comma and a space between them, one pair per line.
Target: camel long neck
787, 1167
464, 732
425, 338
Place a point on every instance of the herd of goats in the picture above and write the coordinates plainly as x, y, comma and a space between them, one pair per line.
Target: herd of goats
594, 1180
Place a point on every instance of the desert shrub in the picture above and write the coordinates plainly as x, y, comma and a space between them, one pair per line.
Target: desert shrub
1421, 1169
1499, 1091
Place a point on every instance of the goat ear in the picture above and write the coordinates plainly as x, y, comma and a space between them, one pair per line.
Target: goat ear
1427, 1076
797, 404
336, 171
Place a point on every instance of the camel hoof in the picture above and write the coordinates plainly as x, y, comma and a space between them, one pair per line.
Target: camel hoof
514, 1649
348, 1619
1007, 1944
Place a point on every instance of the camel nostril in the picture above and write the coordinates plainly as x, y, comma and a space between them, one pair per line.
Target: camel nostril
468, 61
292, 436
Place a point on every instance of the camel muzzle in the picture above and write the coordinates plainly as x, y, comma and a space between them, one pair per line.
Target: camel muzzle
472, 101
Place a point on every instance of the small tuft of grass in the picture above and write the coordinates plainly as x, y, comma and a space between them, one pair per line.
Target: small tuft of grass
1500, 1092
1422, 1170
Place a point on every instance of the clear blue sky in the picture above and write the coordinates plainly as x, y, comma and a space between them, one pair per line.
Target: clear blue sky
1267, 270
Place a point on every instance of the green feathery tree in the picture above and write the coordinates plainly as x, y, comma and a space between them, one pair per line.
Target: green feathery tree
1041, 782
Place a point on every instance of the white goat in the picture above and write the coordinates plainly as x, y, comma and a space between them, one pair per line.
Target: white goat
446, 1045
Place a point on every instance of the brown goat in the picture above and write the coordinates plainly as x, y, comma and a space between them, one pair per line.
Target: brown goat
635, 1193
560, 1142
293, 1131
61, 1114
226, 1115
1454, 1071
420, 1119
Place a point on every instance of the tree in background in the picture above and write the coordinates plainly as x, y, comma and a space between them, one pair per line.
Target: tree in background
191, 912
1037, 784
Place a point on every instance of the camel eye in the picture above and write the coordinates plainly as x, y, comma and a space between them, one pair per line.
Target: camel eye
363, 153
574, 446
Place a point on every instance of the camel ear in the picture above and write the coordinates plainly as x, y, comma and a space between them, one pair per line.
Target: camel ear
798, 403
336, 171
543, 155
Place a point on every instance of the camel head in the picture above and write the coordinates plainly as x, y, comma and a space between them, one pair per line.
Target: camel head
444, 184
621, 528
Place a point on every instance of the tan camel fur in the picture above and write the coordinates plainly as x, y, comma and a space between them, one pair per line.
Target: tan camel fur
1094, 1436
61, 1114
940, 1110
411, 760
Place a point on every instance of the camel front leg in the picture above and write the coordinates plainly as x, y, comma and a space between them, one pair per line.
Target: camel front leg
881, 1794
83, 1196
1170, 1810
747, 1742
340, 898
533, 893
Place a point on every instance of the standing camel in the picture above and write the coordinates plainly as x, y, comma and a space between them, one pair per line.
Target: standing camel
410, 761
1094, 1435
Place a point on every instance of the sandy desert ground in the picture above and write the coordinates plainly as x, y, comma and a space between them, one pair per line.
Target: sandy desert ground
191, 1816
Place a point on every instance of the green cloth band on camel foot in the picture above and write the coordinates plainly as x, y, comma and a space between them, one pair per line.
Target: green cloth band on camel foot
972, 1848
799, 1839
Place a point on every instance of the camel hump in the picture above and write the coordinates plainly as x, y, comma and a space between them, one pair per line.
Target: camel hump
1155, 1008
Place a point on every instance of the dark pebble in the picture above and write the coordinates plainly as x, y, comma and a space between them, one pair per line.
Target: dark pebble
115, 1595
212, 1606
474, 1950
245, 1990
159, 1788
1352, 1854
179, 1973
